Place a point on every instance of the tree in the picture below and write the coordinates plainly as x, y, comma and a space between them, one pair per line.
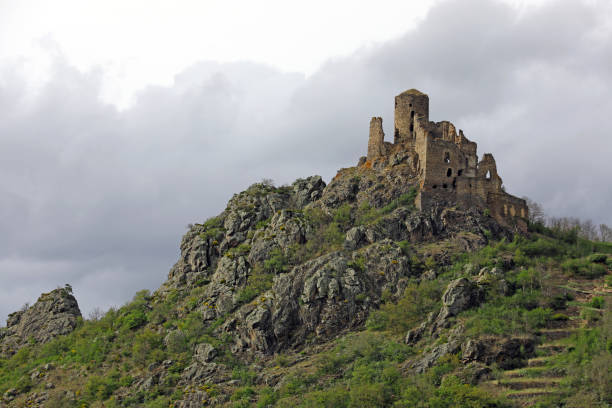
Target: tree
536, 213
605, 233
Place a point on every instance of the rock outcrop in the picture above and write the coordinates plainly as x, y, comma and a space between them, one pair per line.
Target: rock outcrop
506, 353
54, 314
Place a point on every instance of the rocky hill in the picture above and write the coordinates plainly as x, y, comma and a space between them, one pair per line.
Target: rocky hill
337, 295
54, 314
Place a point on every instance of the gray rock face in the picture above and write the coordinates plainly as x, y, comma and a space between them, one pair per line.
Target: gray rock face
204, 244
205, 353
321, 297
54, 314
307, 190
286, 227
460, 294
435, 354
507, 353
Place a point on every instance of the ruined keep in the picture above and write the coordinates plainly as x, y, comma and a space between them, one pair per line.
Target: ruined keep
445, 162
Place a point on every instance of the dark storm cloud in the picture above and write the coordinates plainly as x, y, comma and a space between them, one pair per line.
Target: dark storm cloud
99, 198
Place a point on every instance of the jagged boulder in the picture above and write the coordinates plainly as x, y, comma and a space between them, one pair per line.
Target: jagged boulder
307, 190
460, 294
54, 314
507, 353
429, 359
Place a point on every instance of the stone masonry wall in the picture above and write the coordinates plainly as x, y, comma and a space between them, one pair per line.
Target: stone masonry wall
448, 166
408, 106
376, 143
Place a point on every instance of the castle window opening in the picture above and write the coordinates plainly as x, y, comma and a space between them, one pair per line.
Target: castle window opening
446, 157
455, 182
434, 186
488, 175
466, 162
445, 185
411, 127
459, 172
412, 114
449, 172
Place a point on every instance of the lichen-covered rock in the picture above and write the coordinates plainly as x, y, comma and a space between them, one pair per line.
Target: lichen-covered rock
460, 294
286, 228
54, 314
321, 297
307, 190
205, 353
429, 359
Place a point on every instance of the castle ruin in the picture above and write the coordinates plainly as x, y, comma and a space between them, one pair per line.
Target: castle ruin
445, 162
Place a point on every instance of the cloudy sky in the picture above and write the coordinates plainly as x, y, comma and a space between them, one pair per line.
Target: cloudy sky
123, 121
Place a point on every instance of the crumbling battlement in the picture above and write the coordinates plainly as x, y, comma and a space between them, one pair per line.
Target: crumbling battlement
445, 160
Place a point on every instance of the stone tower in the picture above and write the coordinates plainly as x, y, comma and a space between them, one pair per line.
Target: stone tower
376, 146
409, 106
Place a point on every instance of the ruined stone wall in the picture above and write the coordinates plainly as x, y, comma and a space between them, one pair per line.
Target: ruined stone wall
444, 163
376, 143
409, 105
508, 209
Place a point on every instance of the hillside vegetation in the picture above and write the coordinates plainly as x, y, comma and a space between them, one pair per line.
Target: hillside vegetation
343, 296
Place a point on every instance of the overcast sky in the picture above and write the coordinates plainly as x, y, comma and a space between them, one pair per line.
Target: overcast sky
122, 122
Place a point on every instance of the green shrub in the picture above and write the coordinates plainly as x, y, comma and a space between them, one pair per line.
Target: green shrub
414, 305
538, 317
591, 316
405, 200
342, 216
257, 283
583, 267
370, 395
453, 393
143, 346
24, 384
277, 262
100, 388
243, 393
558, 301
597, 302
541, 247
598, 258
366, 214
267, 398
134, 319
334, 397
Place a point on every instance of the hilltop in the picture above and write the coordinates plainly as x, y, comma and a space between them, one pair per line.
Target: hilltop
410, 280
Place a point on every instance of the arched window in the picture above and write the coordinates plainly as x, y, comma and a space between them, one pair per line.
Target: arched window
446, 157
488, 175
449, 172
